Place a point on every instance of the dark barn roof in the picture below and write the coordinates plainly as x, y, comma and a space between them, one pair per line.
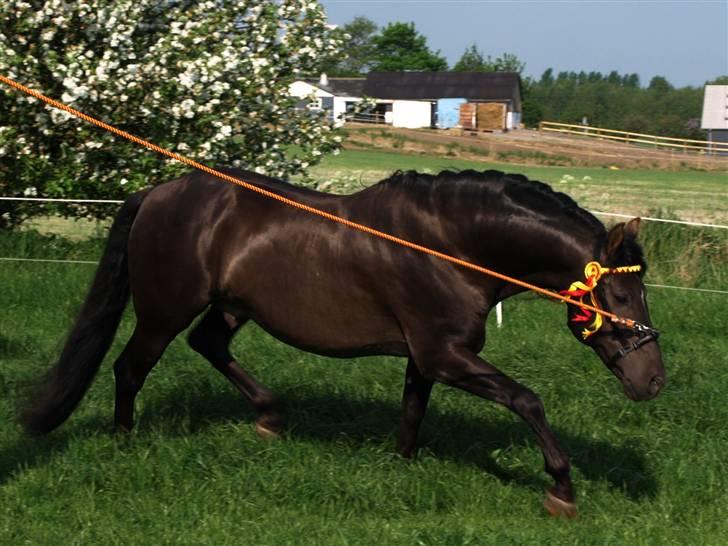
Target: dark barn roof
341, 87
474, 86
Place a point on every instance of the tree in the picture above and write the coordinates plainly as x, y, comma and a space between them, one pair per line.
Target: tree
660, 85
400, 47
357, 51
508, 62
547, 78
208, 79
614, 101
631, 80
473, 60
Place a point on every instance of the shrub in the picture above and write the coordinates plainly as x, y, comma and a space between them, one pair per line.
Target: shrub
206, 79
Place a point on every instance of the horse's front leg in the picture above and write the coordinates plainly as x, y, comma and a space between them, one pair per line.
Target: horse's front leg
463, 369
414, 403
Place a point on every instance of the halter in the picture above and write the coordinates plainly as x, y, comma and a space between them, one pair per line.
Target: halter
593, 271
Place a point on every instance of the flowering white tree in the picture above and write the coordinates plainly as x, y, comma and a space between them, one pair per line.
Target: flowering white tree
208, 79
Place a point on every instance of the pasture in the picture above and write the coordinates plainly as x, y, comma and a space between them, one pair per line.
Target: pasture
194, 471
689, 194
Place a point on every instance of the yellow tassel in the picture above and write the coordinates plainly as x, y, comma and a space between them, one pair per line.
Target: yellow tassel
593, 328
593, 271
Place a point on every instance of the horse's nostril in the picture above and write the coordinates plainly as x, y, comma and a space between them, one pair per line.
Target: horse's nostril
656, 384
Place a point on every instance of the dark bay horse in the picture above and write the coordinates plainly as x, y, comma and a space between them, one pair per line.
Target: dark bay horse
197, 245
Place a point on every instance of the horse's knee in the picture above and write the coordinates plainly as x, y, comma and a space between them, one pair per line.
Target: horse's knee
527, 403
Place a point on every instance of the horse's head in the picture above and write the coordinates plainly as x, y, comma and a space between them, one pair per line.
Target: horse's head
632, 354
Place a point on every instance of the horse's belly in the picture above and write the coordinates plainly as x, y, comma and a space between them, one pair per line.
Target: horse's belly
325, 321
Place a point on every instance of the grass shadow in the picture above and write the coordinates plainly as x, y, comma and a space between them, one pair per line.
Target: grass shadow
331, 418
29, 452
10, 347
461, 438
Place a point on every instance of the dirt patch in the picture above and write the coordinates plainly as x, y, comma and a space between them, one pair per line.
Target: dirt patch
528, 147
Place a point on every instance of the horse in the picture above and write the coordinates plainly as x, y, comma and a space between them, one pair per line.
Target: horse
194, 245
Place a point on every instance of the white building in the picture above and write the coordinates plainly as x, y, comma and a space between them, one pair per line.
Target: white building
715, 113
335, 95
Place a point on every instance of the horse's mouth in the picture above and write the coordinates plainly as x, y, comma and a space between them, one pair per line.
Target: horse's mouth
629, 389
644, 394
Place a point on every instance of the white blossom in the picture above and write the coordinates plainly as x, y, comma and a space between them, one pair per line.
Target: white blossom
212, 84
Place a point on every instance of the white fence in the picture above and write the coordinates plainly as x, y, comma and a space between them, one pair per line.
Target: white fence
498, 307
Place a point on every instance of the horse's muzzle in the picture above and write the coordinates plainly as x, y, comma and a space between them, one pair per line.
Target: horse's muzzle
648, 392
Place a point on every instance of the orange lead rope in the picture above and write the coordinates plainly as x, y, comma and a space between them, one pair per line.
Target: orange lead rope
312, 210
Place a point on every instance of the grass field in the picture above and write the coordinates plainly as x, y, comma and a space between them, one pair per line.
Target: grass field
688, 195
194, 472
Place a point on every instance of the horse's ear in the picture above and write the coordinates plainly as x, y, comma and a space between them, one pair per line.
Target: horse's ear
632, 228
615, 238
620, 232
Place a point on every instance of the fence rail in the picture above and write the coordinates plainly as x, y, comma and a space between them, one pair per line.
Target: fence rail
658, 142
366, 117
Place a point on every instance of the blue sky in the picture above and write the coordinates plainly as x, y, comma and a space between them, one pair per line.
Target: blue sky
685, 41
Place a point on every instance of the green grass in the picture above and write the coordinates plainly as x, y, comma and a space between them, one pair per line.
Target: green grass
194, 472
690, 195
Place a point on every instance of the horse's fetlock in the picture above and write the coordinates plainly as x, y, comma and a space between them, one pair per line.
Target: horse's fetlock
265, 402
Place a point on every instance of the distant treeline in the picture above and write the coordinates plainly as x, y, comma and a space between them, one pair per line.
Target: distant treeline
614, 101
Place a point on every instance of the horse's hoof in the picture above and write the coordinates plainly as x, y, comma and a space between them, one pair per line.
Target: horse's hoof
265, 432
557, 507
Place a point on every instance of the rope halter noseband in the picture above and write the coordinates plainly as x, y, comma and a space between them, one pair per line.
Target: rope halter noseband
593, 271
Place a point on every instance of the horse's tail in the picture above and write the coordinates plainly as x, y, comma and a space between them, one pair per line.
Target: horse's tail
60, 390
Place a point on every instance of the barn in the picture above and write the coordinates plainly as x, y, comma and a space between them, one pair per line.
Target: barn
337, 96
715, 113
437, 99
473, 100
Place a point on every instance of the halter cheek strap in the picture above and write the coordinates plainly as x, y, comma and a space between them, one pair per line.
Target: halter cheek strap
593, 271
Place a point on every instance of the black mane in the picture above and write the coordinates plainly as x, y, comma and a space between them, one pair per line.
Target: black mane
491, 183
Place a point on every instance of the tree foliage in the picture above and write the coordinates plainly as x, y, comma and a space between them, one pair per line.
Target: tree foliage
400, 47
208, 79
357, 51
474, 60
614, 101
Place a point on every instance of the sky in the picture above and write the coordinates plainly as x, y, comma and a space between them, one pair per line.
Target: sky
684, 41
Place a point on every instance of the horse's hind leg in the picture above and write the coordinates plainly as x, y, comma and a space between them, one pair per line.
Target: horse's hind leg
211, 338
131, 368
414, 403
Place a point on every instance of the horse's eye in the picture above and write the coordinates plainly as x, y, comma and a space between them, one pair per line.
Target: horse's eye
622, 298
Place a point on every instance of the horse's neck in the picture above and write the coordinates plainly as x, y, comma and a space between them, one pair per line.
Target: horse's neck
549, 254
513, 241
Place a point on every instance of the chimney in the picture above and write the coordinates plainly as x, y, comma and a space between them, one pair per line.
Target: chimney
324, 79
